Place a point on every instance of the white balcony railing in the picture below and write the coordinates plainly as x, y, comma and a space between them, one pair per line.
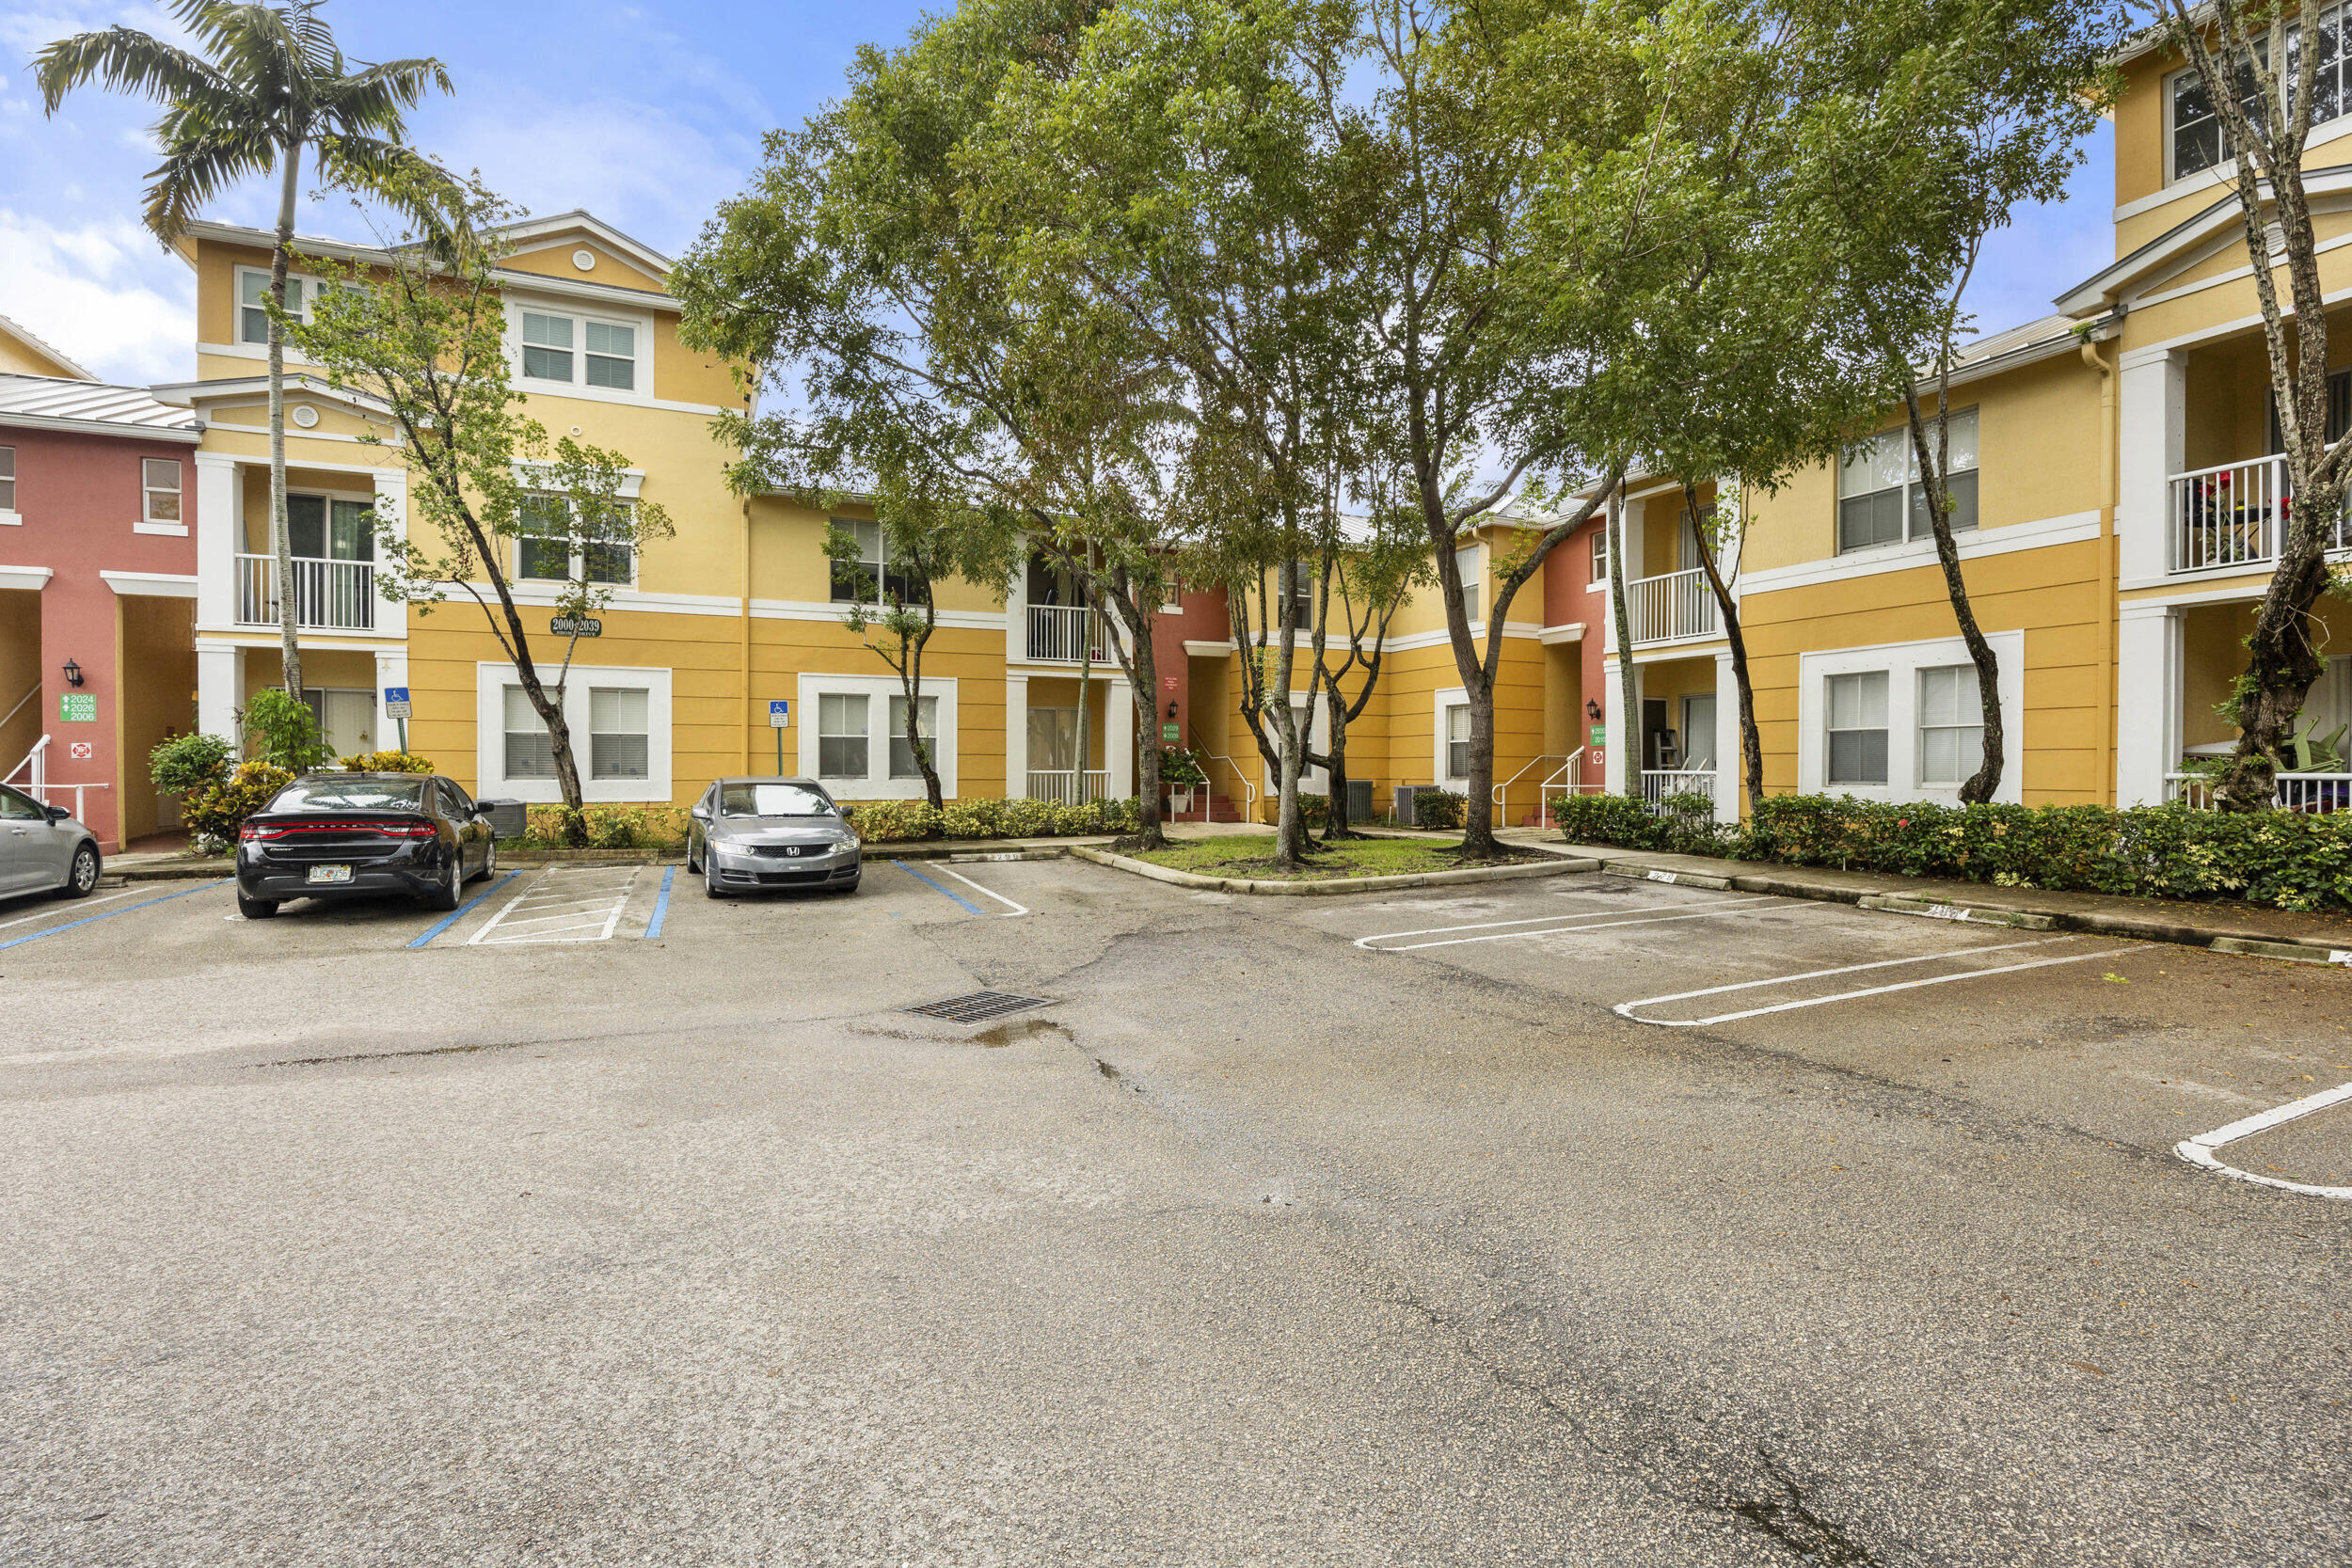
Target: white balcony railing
2315, 792
2232, 516
1660, 784
1672, 608
1059, 634
332, 596
1061, 786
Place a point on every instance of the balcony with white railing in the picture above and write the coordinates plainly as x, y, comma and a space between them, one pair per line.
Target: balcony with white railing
1066, 634
2306, 792
1066, 786
329, 595
2231, 518
1677, 607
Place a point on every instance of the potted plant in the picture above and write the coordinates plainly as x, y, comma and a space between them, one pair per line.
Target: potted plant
1180, 774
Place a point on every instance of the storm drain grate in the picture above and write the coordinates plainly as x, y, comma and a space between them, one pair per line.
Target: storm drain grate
978, 1007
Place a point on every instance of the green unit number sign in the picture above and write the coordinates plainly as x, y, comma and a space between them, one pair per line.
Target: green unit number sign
77, 707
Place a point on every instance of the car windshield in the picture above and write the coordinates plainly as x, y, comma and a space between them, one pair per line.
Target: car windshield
351, 795
771, 799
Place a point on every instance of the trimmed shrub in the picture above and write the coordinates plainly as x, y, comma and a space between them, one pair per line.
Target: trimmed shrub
215, 812
386, 761
903, 821
2282, 859
608, 828
187, 763
286, 729
1440, 808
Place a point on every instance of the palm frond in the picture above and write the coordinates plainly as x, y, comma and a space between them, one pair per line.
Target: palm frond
125, 60
192, 175
371, 101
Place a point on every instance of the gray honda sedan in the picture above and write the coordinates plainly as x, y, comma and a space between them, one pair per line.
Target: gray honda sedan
43, 849
752, 835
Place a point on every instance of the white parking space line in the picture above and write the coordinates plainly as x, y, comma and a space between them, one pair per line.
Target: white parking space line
556, 908
1628, 1009
1564, 925
2198, 1151
1016, 909
75, 908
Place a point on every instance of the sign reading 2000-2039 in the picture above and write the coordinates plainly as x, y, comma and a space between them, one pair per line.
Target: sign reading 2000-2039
575, 626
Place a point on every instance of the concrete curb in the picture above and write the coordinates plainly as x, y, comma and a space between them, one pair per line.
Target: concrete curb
2151, 926
1330, 885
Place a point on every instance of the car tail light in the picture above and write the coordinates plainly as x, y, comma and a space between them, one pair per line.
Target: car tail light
252, 832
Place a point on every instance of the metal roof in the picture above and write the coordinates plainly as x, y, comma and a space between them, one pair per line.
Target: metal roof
89, 406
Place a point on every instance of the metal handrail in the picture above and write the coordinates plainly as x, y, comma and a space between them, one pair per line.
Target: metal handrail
1501, 794
33, 759
1249, 791
20, 706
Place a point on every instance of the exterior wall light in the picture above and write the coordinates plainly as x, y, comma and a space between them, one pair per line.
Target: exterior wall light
73, 674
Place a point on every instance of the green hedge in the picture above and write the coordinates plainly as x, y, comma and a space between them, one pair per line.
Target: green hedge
2285, 860
900, 821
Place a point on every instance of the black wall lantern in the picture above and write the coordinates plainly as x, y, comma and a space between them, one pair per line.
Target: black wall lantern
1171, 708
1592, 711
73, 674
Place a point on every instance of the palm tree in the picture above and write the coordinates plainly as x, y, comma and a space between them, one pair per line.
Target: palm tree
267, 85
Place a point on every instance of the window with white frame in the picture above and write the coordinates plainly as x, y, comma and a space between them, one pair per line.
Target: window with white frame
253, 303
1880, 497
1600, 546
867, 578
1470, 562
841, 735
1299, 582
619, 732
580, 349
1458, 740
902, 761
557, 544
159, 480
1856, 738
529, 753
1951, 725
8, 479
2196, 122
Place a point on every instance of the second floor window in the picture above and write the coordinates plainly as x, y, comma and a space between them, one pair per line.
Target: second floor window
1600, 554
555, 546
1470, 561
869, 579
2197, 138
159, 479
8, 479
253, 307
1880, 499
603, 354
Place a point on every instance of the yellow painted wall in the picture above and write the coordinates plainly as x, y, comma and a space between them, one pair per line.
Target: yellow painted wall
155, 652
19, 672
18, 357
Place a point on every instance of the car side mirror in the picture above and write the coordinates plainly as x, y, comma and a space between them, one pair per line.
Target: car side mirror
699, 812
847, 812
59, 813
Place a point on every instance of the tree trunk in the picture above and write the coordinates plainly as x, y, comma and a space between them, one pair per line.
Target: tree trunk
287, 610
1750, 740
1629, 684
1980, 786
911, 683
1145, 674
1335, 814
1478, 815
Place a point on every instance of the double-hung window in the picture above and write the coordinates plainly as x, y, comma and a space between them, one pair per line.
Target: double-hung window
8, 479
1470, 562
580, 349
2196, 128
1458, 740
1951, 725
1880, 497
530, 755
159, 480
1600, 555
841, 735
1857, 728
867, 578
557, 547
253, 304
618, 732
902, 762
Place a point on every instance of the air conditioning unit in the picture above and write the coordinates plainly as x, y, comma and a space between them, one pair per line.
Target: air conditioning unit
1405, 796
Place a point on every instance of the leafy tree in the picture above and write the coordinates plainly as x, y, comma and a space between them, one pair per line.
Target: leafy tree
267, 86
2266, 116
419, 330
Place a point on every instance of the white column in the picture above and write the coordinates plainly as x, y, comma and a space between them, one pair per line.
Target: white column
1016, 737
1017, 633
2148, 652
1119, 738
219, 524
391, 669
1624, 751
2152, 417
219, 689
1727, 741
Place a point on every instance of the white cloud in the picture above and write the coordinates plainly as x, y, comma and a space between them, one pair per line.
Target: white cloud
103, 291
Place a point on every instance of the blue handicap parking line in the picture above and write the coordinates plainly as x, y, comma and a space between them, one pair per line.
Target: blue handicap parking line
936, 887
662, 904
462, 910
94, 919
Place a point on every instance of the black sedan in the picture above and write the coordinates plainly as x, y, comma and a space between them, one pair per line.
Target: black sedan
338, 836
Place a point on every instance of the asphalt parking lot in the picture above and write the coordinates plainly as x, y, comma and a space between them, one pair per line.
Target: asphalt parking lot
1580, 1220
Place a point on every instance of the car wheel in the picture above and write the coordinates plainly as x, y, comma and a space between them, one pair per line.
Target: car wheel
83, 875
489, 863
710, 881
256, 909
445, 896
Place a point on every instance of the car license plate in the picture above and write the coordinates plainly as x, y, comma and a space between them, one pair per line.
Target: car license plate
330, 872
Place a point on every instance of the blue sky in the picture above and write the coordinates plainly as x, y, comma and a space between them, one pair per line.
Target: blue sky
646, 114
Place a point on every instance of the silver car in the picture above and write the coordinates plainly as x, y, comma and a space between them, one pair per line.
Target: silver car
747, 836
43, 849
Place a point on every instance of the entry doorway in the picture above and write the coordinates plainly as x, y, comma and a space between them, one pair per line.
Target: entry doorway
1698, 733
346, 719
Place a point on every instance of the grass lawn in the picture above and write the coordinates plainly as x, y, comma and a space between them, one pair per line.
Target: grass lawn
1252, 855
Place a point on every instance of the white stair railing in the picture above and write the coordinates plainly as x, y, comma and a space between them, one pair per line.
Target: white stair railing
1501, 794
